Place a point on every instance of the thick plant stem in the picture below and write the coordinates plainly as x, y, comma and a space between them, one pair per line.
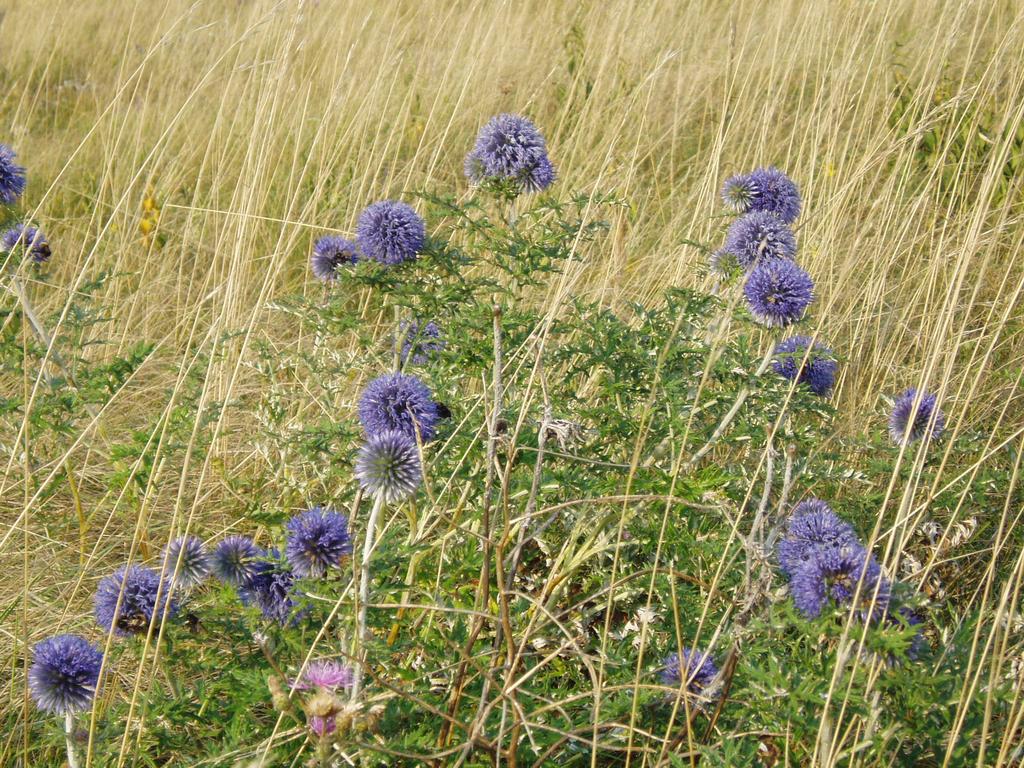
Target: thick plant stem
69, 740
484, 594
492, 451
364, 593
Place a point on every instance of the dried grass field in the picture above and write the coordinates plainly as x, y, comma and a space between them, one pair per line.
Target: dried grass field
183, 156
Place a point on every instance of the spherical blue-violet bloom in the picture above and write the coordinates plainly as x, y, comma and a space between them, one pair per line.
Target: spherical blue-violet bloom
318, 539
330, 254
272, 589
723, 263
131, 599
187, 561
64, 673
907, 423
27, 238
388, 465
737, 192
235, 560
800, 359
778, 292
774, 192
12, 176
419, 341
834, 575
907, 617
693, 668
813, 526
398, 401
390, 232
757, 237
510, 148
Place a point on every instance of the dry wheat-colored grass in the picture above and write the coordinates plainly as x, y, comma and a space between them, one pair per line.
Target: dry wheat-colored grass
256, 124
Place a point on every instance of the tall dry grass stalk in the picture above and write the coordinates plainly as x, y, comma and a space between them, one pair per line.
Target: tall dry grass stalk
250, 125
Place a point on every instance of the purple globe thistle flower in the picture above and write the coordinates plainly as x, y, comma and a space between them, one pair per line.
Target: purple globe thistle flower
326, 674
420, 341
907, 424
330, 254
905, 616
28, 238
737, 192
64, 673
235, 560
723, 262
812, 527
778, 292
143, 598
398, 401
759, 236
774, 192
818, 371
833, 573
388, 465
697, 667
12, 176
189, 558
317, 540
510, 148
540, 176
272, 589
390, 232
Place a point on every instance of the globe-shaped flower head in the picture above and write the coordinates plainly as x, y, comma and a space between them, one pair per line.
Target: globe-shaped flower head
510, 148
131, 599
906, 617
388, 465
737, 192
186, 561
235, 560
64, 673
317, 540
907, 423
398, 401
778, 292
817, 372
28, 238
272, 589
812, 527
12, 176
776, 193
723, 262
692, 668
765, 189
758, 237
833, 574
390, 232
420, 341
330, 254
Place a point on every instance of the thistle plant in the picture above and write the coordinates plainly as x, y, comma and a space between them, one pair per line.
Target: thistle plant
389, 470
63, 679
584, 534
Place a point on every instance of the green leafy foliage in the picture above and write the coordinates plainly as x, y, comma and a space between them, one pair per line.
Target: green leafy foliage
619, 504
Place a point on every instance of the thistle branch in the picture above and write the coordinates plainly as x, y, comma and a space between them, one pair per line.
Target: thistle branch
369, 541
69, 740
